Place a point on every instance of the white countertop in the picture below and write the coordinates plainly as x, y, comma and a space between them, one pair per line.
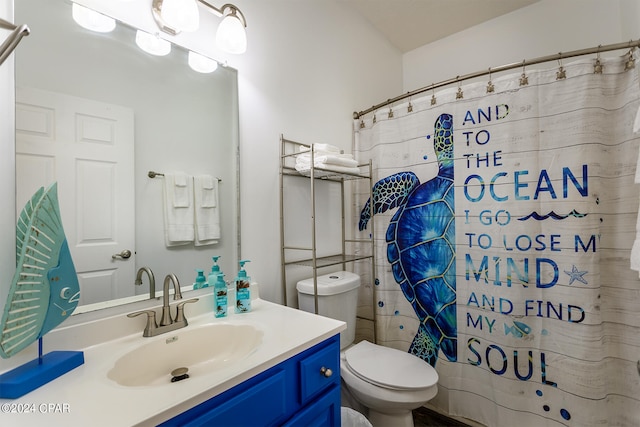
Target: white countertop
86, 396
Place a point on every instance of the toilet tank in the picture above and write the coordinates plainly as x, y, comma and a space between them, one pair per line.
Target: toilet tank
337, 299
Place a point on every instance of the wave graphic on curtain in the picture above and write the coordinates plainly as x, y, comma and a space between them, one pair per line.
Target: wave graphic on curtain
504, 224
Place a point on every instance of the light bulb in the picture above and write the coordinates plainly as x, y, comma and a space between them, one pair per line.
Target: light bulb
201, 63
152, 44
181, 15
231, 36
92, 20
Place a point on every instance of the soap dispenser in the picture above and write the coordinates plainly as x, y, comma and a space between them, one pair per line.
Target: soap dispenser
215, 269
243, 289
220, 292
201, 281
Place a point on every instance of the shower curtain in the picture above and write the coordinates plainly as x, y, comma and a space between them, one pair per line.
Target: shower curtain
505, 213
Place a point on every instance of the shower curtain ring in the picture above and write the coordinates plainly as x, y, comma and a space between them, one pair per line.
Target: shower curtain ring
631, 61
433, 94
490, 87
390, 115
598, 67
524, 80
409, 107
459, 94
561, 74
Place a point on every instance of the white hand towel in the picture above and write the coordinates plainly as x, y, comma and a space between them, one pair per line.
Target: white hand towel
209, 191
181, 196
207, 212
178, 220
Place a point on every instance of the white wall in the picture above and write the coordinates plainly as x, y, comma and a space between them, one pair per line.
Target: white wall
309, 65
543, 28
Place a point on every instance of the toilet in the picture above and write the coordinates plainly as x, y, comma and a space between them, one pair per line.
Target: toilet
386, 383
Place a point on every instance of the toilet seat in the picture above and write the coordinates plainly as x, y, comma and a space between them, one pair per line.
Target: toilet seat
389, 368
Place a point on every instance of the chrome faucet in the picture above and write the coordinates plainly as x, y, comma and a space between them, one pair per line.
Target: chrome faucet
167, 323
152, 281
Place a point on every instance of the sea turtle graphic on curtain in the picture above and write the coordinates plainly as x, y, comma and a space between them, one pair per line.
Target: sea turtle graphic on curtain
421, 245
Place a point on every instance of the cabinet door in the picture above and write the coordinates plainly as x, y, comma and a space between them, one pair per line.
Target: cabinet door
324, 412
262, 405
260, 401
318, 371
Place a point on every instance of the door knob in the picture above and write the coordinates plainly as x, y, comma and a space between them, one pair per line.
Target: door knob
125, 254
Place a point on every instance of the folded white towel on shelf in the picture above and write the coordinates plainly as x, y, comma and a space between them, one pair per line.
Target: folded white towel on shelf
327, 160
321, 160
207, 213
326, 170
327, 148
178, 209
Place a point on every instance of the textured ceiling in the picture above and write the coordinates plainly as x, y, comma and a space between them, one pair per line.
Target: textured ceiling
409, 24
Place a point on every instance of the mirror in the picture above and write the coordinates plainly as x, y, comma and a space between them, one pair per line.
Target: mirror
183, 121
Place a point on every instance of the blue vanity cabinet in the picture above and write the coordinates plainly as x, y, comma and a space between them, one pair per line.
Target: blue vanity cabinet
297, 392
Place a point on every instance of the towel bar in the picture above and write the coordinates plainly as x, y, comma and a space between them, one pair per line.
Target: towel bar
153, 174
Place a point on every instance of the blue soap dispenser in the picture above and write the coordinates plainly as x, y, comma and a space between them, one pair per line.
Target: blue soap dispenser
201, 281
243, 289
215, 268
220, 292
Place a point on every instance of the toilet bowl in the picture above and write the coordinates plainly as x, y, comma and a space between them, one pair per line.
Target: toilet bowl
387, 382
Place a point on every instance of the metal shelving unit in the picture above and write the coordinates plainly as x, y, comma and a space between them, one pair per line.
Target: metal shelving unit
288, 150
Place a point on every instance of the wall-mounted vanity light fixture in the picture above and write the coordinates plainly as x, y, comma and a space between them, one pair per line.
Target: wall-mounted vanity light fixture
174, 16
92, 20
201, 63
152, 44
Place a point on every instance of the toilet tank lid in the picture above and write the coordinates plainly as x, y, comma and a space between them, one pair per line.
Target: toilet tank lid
330, 284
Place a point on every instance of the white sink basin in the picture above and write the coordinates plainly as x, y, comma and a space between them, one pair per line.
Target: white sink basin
201, 349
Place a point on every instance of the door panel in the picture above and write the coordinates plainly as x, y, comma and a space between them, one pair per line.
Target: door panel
88, 147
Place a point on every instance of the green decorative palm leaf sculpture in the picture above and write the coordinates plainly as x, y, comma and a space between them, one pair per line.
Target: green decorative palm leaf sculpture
45, 288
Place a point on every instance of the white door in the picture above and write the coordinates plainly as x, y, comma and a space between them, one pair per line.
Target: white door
88, 147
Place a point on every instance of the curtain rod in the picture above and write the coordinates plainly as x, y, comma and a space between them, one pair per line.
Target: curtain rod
559, 56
